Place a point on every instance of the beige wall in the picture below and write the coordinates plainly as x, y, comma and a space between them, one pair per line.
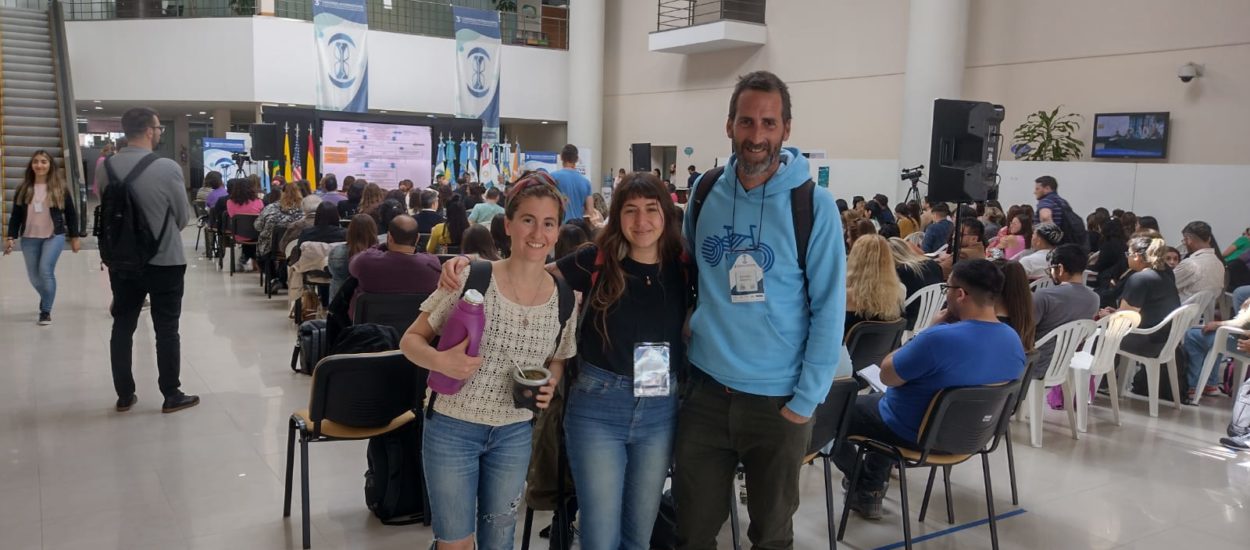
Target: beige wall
537, 137
844, 61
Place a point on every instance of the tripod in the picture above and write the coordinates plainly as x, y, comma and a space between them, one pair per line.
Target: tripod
914, 192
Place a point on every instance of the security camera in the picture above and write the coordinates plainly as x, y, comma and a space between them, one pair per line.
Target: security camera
1189, 71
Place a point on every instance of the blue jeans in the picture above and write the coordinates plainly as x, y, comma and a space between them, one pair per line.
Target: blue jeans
474, 474
620, 448
1240, 294
41, 256
1197, 344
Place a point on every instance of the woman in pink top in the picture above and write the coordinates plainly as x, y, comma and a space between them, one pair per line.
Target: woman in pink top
243, 202
1014, 238
44, 217
105, 153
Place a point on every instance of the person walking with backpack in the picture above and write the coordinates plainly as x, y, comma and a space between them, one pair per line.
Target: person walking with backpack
44, 217
766, 332
144, 208
1055, 209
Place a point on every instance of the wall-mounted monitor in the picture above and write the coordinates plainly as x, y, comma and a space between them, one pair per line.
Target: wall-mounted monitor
1131, 135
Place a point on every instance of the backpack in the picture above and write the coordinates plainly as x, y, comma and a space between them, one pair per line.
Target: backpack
802, 200
126, 239
1240, 423
1073, 227
310, 346
394, 483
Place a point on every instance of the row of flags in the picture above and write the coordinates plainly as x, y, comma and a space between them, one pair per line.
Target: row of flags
483, 162
294, 167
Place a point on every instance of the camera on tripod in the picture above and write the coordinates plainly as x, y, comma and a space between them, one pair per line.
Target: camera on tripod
240, 158
911, 173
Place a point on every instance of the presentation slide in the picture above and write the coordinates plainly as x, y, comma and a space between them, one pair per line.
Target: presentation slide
383, 154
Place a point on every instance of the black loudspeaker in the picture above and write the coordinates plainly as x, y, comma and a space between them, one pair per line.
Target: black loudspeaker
963, 155
265, 142
641, 154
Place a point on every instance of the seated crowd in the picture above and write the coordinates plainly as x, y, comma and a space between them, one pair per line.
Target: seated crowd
1014, 276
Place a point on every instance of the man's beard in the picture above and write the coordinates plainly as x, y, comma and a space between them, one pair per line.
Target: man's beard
756, 168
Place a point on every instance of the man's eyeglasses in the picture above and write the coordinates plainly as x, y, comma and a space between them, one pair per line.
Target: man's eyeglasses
946, 287
160, 127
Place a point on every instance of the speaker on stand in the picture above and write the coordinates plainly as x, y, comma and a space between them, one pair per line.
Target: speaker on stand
963, 155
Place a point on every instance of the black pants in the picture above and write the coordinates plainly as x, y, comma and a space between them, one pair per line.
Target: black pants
717, 430
165, 286
866, 421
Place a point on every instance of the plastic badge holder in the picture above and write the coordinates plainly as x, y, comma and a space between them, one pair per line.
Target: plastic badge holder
652, 375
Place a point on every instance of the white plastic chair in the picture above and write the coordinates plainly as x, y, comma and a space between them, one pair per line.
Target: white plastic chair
1179, 321
931, 298
1206, 304
1039, 284
1221, 348
1087, 365
1066, 338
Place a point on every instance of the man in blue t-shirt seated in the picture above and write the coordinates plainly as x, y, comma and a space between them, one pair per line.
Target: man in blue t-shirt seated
969, 347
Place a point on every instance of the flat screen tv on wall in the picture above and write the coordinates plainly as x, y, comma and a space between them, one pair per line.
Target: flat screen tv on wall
1131, 135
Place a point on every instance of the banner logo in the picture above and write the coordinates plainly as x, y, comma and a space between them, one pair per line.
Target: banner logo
479, 59
344, 47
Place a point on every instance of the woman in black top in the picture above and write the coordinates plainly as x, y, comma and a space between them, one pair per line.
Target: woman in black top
636, 292
326, 228
1111, 262
1149, 289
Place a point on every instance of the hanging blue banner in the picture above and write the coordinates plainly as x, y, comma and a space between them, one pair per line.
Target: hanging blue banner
341, 28
477, 68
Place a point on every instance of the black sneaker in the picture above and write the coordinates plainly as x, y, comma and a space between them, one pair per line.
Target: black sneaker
125, 403
45, 319
1239, 443
179, 402
868, 504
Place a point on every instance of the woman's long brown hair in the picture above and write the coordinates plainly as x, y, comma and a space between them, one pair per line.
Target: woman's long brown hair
55, 181
614, 247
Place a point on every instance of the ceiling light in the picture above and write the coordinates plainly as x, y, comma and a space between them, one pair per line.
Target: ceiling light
203, 113
545, 122
97, 101
383, 112
99, 108
188, 114
290, 104
210, 118
429, 116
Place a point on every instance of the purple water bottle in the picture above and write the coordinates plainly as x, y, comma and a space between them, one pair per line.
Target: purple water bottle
466, 321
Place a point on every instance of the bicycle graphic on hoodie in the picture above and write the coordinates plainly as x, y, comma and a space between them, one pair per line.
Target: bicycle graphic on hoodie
717, 248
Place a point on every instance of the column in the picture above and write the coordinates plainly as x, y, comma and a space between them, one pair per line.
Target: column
221, 122
937, 33
182, 143
586, 25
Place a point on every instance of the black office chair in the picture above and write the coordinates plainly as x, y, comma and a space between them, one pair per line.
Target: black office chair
960, 423
273, 264
868, 342
243, 232
398, 311
354, 397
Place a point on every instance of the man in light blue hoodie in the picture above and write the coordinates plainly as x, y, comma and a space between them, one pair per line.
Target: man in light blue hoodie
765, 334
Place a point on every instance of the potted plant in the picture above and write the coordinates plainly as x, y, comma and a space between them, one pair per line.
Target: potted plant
1048, 136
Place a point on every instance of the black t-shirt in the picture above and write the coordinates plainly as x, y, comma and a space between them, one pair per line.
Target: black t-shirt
930, 274
652, 309
427, 219
1155, 293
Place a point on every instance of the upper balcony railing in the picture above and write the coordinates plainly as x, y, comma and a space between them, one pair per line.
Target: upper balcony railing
424, 17
679, 14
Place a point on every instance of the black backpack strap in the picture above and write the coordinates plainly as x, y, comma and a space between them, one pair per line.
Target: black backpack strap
702, 189
567, 302
801, 200
802, 205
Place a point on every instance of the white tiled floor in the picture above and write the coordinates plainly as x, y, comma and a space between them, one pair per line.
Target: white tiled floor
74, 474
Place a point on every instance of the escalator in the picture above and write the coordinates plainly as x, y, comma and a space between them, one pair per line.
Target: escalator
36, 102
